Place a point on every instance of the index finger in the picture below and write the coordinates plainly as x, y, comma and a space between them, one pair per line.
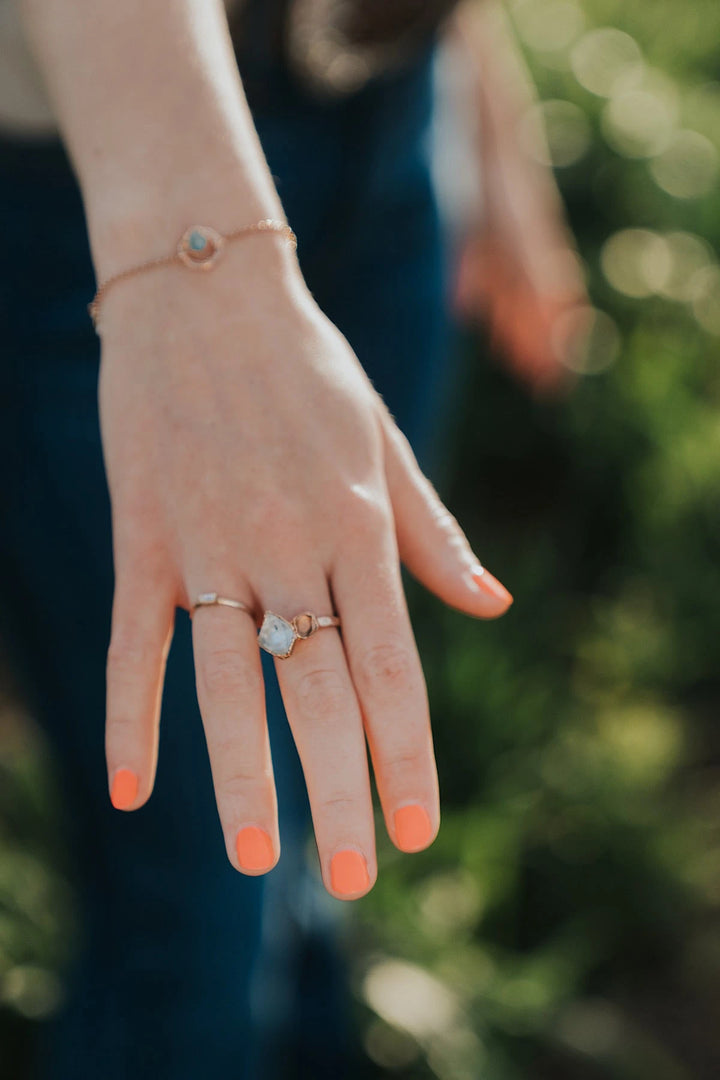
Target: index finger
231, 695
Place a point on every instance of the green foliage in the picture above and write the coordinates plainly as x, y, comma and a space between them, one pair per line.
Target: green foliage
569, 907
36, 904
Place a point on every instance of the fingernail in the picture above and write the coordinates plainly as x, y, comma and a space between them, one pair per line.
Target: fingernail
254, 848
412, 827
484, 580
349, 872
124, 789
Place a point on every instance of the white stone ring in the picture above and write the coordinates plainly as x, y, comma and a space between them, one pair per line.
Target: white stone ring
276, 635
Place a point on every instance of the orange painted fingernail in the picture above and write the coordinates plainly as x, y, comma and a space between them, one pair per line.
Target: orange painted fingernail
412, 827
488, 583
349, 872
124, 789
254, 848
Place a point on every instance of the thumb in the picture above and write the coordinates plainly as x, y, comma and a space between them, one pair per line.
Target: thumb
431, 544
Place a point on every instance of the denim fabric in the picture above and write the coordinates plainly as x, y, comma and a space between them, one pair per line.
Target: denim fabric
188, 968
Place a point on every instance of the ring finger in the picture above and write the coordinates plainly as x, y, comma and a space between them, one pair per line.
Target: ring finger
326, 722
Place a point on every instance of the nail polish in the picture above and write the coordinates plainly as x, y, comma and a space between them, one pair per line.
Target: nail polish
254, 848
349, 872
124, 789
484, 580
412, 827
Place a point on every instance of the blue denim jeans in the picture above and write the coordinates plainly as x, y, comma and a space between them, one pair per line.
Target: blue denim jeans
187, 968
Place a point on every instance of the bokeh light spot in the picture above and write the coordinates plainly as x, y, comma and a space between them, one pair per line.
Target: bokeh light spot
34, 991
642, 742
556, 133
639, 123
590, 1027
460, 1055
607, 61
588, 340
688, 167
390, 1048
450, 903
688, 254
704, 288
548, 25
410, 998
636, 262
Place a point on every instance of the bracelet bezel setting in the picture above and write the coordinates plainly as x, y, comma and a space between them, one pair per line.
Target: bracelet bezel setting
200, 247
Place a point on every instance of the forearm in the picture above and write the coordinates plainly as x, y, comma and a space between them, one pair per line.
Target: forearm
520, 191
153, 114
505, 95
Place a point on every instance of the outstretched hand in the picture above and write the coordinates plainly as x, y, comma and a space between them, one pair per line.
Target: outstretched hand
247, 453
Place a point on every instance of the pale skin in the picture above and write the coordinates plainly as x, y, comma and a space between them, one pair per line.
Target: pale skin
246, 450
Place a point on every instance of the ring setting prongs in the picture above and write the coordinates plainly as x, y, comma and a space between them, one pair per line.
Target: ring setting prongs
278, 635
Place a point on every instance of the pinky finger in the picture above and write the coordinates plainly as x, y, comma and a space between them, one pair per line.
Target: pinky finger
430, 541
142, 625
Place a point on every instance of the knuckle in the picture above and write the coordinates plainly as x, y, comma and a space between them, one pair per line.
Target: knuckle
126, 657
120, 725
139, 542
146, 557
224, 675
341, 803
404, 759
235, 763
272, 513
238, 780
321, 694
227, 752
388, 668
367, 508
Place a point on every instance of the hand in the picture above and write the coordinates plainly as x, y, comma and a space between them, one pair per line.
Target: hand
247, 453
520, 275
518, 269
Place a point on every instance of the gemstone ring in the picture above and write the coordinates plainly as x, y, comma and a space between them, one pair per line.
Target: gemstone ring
276, 635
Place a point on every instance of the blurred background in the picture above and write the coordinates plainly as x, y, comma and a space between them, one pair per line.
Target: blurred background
566, 922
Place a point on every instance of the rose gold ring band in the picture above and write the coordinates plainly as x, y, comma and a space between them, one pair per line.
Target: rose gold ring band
209, 598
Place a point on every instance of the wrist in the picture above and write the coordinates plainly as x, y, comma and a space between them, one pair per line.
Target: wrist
142, 222
249, 273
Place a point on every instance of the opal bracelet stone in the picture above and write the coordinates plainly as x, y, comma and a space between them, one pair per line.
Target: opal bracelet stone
199, 248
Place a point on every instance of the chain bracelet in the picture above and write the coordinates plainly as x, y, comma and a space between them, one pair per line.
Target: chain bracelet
199, 248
